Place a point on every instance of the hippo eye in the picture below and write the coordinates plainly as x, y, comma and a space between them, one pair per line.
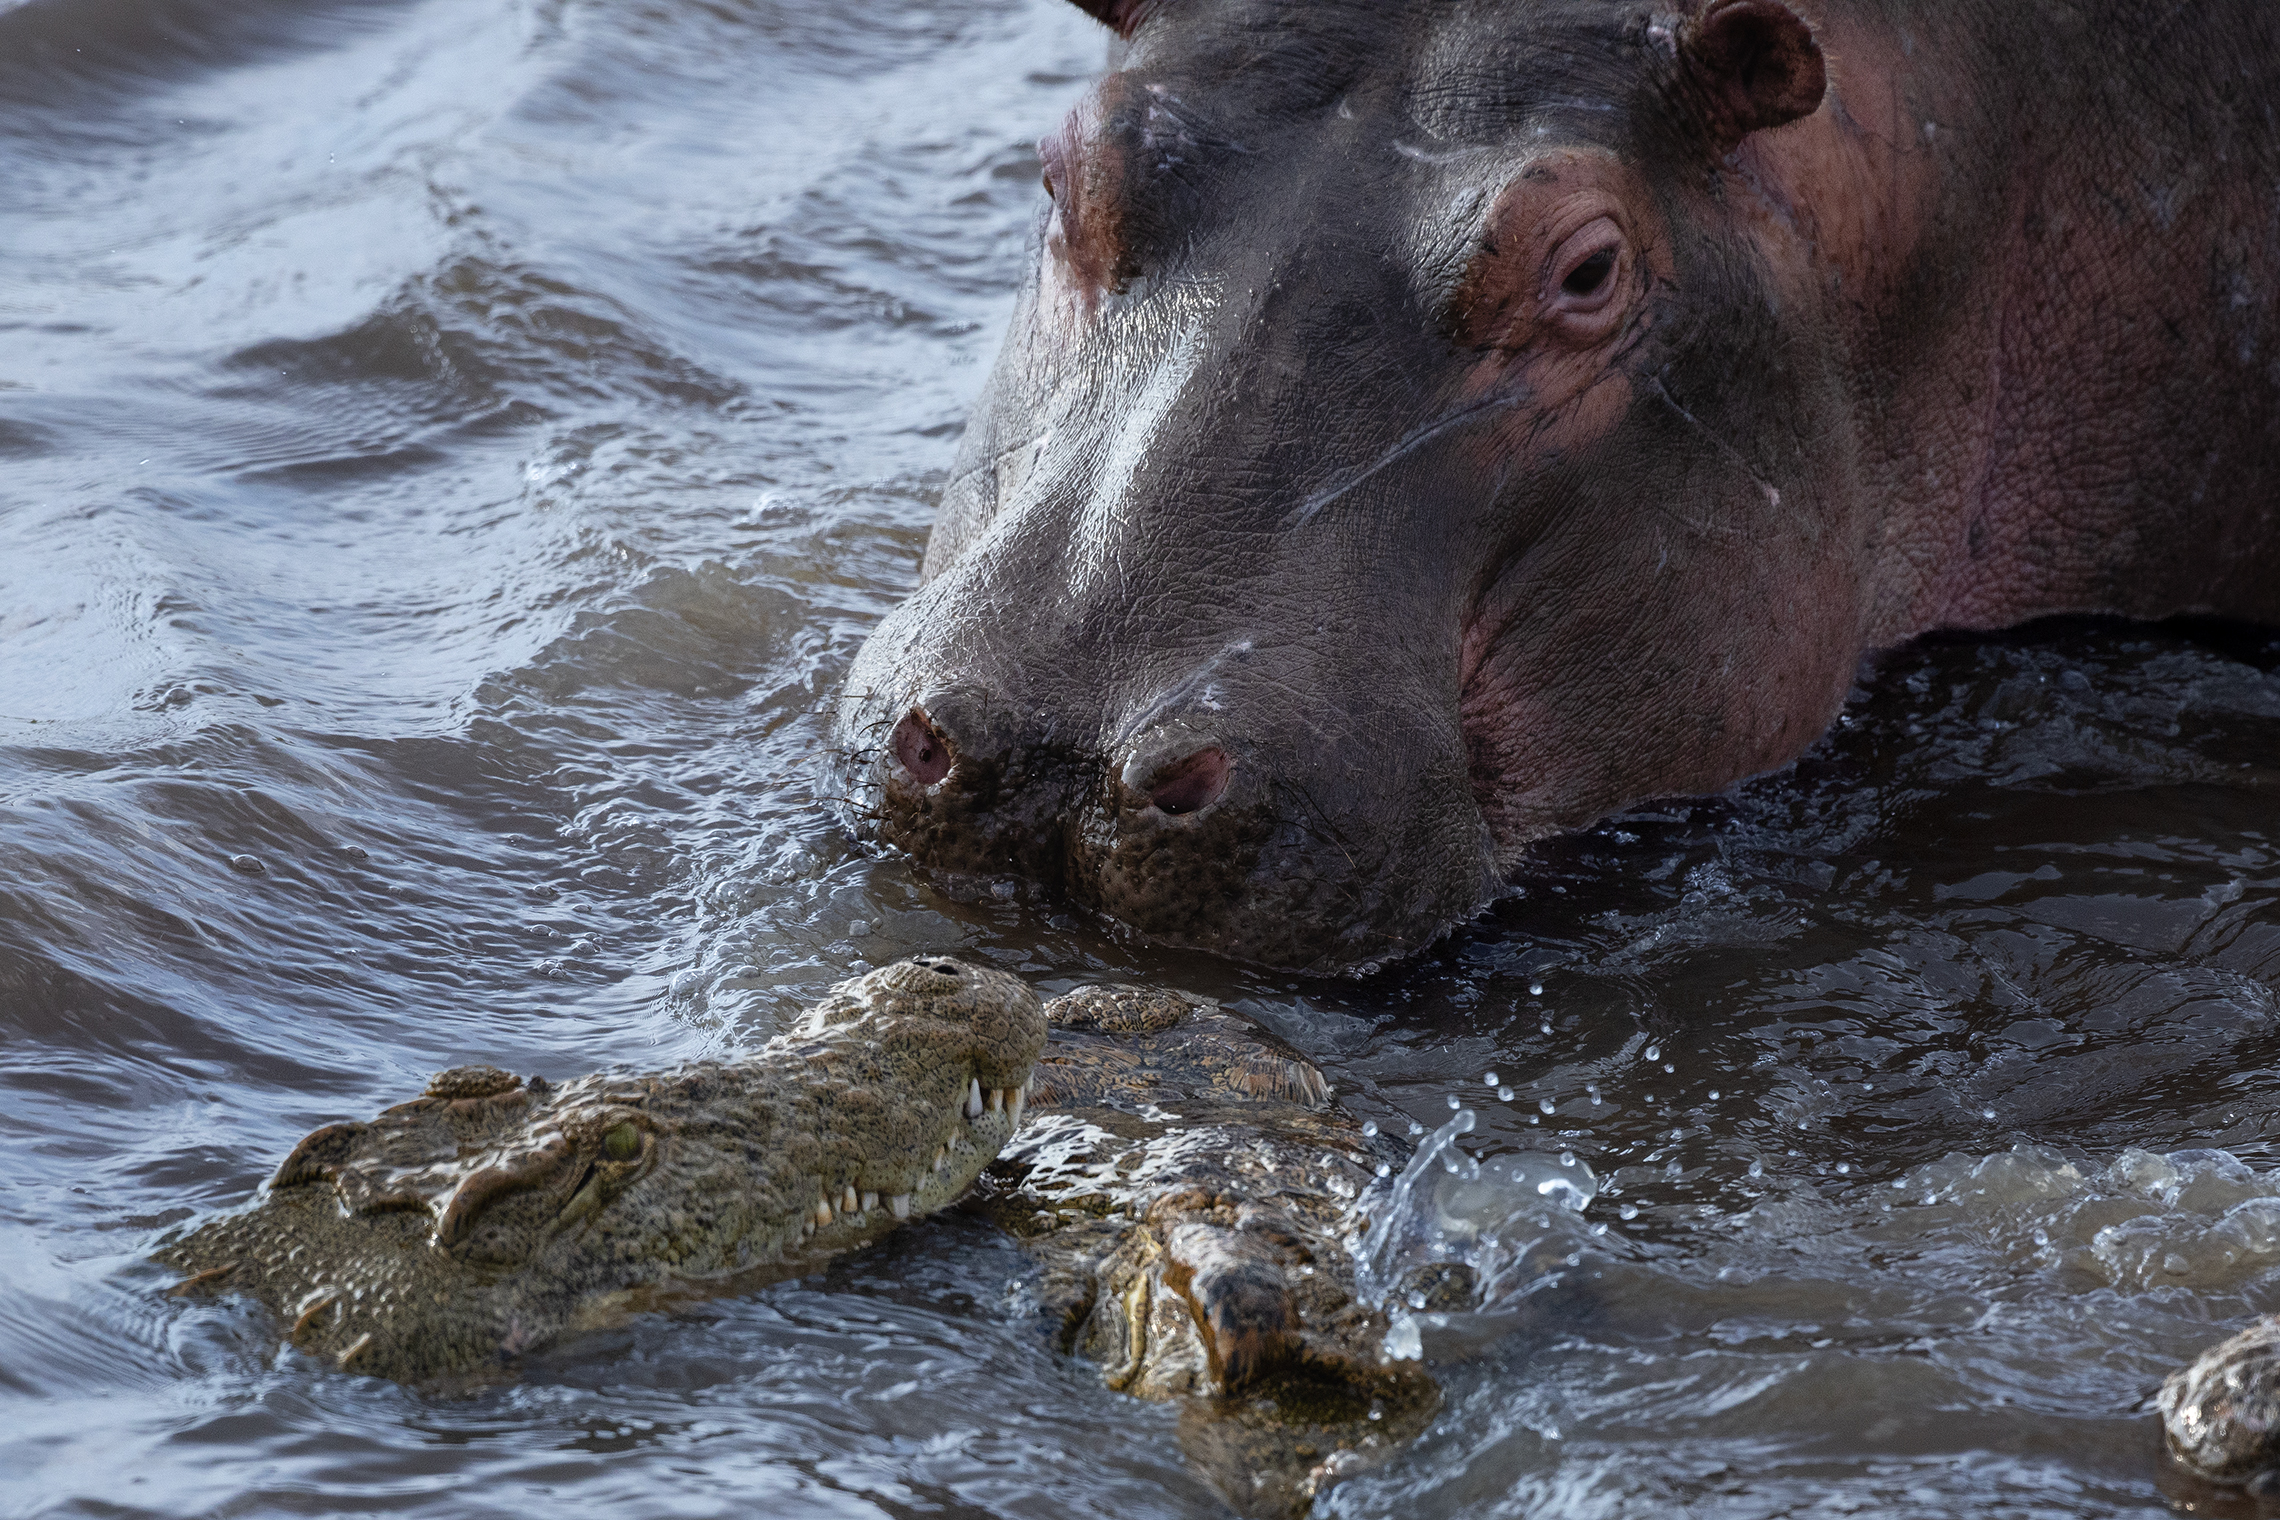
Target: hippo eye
622, 1143
1589, 275
1581, 297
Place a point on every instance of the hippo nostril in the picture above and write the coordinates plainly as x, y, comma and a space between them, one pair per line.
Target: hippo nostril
920, 748
1192, 784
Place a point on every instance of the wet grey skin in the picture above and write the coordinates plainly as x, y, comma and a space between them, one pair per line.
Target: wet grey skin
1431, 428
1188, 1188
492, 1215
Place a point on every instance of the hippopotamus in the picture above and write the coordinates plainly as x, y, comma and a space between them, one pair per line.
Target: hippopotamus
1430, 426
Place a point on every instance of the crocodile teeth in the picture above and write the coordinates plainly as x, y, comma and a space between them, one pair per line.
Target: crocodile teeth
310, 1315
193, 1283
1020, 1102
973, 1098
870, 1202
847, 1200
823, 1211
941, 1157
900, 1203
996, 1099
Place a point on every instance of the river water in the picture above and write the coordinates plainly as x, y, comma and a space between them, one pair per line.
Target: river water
452, 450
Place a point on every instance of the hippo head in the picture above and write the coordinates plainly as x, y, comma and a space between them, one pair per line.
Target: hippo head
1403, 451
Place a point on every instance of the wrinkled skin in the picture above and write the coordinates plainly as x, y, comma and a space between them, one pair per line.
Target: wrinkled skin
1189, 1191
490, 1216
1432, 426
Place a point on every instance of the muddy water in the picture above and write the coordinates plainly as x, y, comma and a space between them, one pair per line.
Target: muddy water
452, 449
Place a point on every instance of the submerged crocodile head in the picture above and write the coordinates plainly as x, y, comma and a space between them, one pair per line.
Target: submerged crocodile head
1193, 1197
490, 1215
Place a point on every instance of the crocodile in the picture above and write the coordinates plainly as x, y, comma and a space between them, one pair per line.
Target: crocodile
1187, 1188
1193, 1199
492, 1215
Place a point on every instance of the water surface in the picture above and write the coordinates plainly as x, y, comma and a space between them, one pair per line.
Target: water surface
452, 450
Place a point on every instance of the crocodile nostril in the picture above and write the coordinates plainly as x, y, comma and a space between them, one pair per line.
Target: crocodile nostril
1192, 784
920, 748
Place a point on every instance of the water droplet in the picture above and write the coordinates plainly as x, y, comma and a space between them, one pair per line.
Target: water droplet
1668, 1067
1987, 1113
1415, 1128
1567, 1158
1384, 1170
1628, 1211
1654, 1052
1453, 1103
1545, 1027
248, 864
858, 927
1843, 1167
1489, 1080
1535, 1118
1535, 989
1713, 1094
1547, 1105
1757, 1169
1504, 1094
1599, 1228
1369, 1130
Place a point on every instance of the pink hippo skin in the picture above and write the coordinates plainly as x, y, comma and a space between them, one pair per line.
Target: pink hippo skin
1436, 424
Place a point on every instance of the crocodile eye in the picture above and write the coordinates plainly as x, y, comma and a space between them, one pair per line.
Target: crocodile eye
622, 1143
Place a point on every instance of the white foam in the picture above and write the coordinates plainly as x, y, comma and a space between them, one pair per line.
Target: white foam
2191, 1218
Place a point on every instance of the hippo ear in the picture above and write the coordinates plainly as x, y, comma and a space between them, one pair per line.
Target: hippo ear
1124, 15
1750, 64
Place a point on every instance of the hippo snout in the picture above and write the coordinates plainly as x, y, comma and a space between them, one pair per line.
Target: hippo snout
950, 778
1198, 830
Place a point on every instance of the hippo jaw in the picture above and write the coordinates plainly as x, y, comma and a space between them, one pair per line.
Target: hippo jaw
490, 1216
1265, 639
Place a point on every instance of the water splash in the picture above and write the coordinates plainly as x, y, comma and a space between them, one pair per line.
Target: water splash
1455, 1242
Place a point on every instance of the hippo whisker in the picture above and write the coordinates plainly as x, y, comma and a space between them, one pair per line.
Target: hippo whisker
1772, 495
1314, 504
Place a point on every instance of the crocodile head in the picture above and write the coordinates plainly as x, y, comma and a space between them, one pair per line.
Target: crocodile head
1194, 1196
491, 1214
